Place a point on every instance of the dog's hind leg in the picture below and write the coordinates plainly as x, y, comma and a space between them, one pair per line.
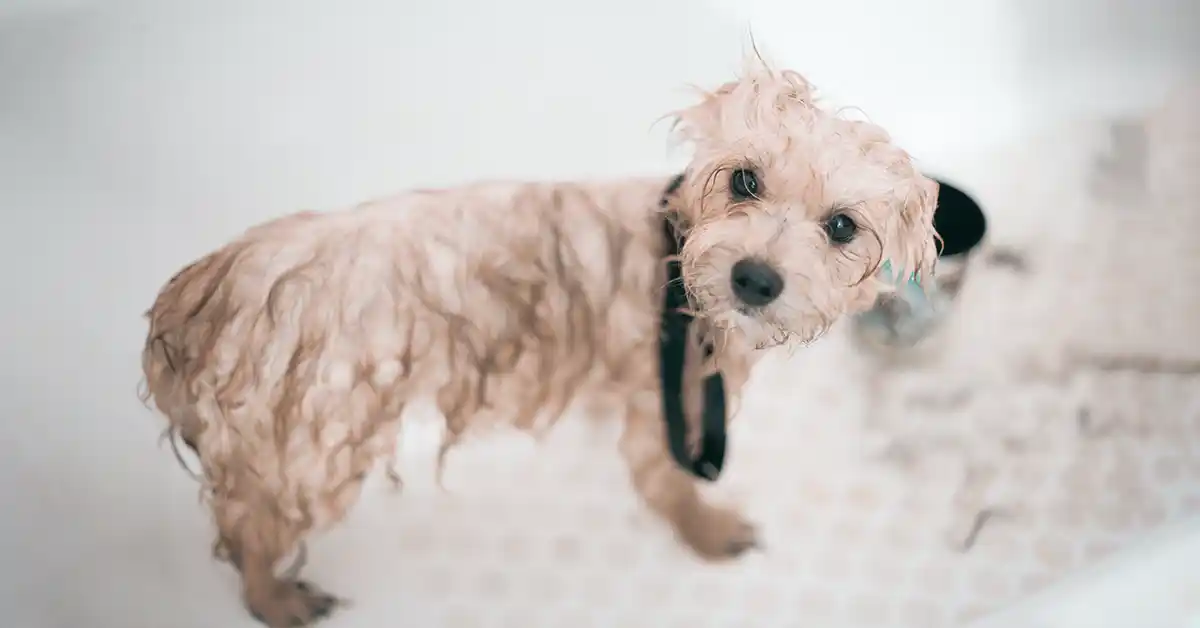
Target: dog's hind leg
257, 536
265, 512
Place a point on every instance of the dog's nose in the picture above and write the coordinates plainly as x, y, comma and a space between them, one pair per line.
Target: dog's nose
755, 282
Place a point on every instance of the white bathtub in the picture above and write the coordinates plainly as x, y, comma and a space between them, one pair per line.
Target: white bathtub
135, 137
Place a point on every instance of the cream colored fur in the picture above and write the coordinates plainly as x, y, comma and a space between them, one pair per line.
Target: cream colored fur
287, 357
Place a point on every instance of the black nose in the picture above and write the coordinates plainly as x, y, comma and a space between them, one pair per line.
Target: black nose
755, 283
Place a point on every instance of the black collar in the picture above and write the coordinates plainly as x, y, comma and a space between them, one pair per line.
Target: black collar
672, 354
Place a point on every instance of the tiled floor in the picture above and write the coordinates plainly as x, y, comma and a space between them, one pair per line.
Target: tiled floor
1061, 403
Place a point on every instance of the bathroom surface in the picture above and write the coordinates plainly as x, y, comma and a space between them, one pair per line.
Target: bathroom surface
1035, 463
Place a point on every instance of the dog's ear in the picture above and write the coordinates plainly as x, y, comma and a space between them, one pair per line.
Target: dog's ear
916, 240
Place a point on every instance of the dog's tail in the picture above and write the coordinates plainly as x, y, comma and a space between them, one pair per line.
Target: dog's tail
184, 324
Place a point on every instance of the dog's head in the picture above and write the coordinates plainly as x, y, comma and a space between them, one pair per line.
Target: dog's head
792, 212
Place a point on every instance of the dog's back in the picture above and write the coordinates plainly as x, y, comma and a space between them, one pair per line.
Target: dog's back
291, 351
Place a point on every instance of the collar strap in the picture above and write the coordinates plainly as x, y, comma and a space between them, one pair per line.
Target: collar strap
672, 355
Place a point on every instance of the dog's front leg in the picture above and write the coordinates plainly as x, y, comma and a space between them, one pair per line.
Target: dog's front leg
713, 532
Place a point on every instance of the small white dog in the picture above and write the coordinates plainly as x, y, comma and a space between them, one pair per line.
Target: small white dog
285, 358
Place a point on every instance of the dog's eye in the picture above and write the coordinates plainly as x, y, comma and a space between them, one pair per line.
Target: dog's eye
743, 185
841, 228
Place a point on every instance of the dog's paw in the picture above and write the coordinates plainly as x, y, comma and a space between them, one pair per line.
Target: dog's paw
717, 533
293, 604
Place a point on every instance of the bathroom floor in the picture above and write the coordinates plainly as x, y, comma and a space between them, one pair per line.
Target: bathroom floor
1053, 423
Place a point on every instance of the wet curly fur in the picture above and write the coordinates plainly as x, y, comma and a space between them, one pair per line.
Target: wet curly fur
286, 358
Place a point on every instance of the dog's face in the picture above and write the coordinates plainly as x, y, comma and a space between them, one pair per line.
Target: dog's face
791, 211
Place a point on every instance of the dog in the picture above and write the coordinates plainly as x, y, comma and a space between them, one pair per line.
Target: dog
286, 358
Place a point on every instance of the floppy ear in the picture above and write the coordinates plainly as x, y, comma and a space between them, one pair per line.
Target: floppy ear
911, 253
916, 240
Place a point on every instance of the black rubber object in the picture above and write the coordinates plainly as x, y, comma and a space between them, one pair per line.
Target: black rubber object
959, 220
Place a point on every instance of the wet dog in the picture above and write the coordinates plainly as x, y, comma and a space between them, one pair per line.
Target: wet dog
287, 357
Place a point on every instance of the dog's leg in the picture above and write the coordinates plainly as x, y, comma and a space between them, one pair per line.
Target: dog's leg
713, 532
458, 405
256, 538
